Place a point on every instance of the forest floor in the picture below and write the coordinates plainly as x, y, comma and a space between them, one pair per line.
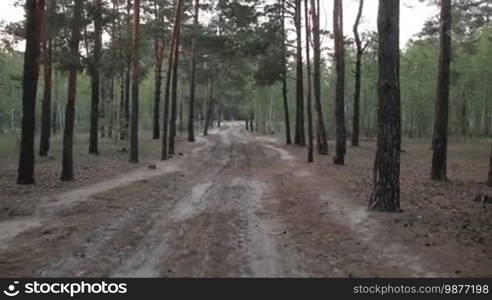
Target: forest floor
238, 205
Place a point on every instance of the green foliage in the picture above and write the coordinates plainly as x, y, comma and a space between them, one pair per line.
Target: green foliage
10, 89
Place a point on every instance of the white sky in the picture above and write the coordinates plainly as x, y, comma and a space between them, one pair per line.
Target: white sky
8, 12
413, 15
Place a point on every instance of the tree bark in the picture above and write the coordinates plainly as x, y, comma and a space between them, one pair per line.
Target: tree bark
55, 123
96, 79
135, 83
122, 117
111, 108
102, 105
35, 12
181, 112
219, 118
309, 84
252, 122
126, 106
44, 141
191, 115
358, 79
386, 191
300, 137
121, 110
67, 161
440, 139
489, 182
341, 131
288, 137
165, 119
210, 97
158, 53
174, 92
114, 53
321, 129
54, 114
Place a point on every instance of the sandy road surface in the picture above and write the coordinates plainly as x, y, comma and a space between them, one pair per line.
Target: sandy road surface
233, 205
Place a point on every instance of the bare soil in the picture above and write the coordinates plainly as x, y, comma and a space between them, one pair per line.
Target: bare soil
237, 205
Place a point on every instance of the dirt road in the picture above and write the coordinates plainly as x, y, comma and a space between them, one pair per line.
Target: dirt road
233, 205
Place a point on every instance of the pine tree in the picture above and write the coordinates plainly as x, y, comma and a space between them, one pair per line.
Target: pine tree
300, 136
174, 92
440, 139
95, 68
386, 191
489, 182
309, 83
288, 137
321, 129
76, 28
191, 115
358, 71
35, 12
135, 83
341, 132
44, 140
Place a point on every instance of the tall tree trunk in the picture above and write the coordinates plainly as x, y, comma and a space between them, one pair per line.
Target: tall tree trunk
309, 84
128, 70
321, 129
174, 92
44, 141
191, 115
96, 79
487, 110
440, 139
341, 131
55, 124
489, 182
35, 12
219, 118
103, 105
54, 113
464, 116
67, 163
252, 122
121, 110
210, 97
111, 108
181, 108
358, 74
300, 137
158, 53
122, 119
165, 119
135, 83
386, 191
126, 106
113, 111
284, 77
